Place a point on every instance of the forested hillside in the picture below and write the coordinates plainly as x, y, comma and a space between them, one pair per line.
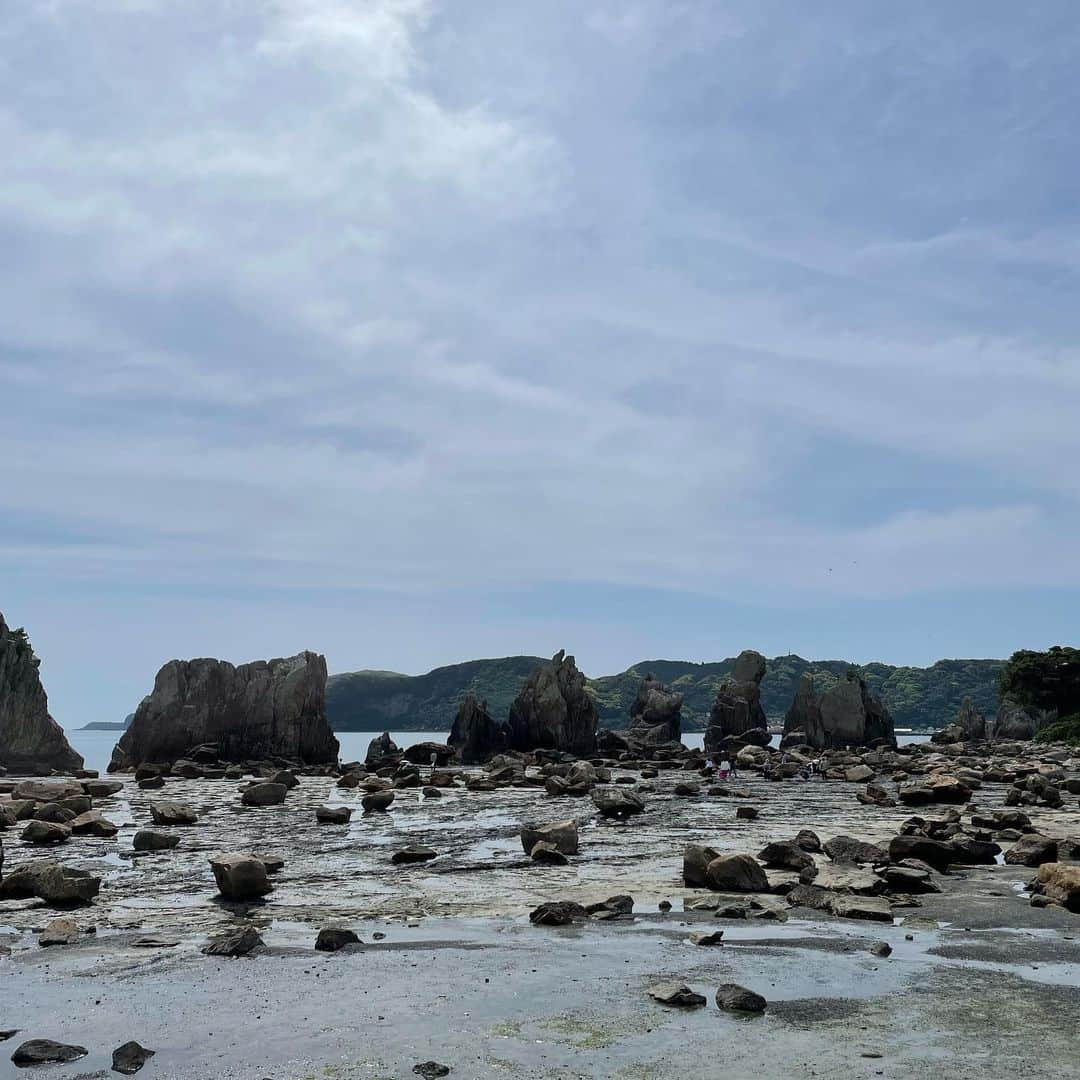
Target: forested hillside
917, 697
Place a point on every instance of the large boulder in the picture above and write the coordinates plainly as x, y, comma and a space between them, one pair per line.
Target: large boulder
562, 834
476, 735
1013, 722
381, 750
554, 711
51, 882
852, 716
240, 876
737, 710
1059, 882
969, 726
266, 709
802, 722
31, 741
736, 873
656, 713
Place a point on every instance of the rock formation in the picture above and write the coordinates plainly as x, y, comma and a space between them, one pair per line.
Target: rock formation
802, 723
852, 716
969, 725
1013, 721
476, 735
737, 711
30, 739
269, 708
656, 713
553, 711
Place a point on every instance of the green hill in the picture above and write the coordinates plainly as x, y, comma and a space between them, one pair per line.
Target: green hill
917, 697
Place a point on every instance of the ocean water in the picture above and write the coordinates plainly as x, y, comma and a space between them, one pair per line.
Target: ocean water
96, 746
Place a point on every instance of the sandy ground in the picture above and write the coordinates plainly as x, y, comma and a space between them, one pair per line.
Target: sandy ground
988, 987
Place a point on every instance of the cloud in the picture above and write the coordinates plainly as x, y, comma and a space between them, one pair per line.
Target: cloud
417, 296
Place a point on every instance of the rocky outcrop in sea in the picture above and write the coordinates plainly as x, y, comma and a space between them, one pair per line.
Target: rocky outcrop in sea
656, 713
847, 714
476, 736
737, 713
266, 709
31, 741
553, 711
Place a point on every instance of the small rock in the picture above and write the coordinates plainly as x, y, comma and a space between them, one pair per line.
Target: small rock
735, 998
747, 813
332, 938
430, 1070
557, 913
377, 800
130, 1058
881, 948
268, 794
237, 942
172, 813
46, 832
414, 853
670, 993
715, 938
150, 840
333, 815
543, 852
59, 932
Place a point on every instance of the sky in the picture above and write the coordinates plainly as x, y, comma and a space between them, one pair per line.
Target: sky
413, 331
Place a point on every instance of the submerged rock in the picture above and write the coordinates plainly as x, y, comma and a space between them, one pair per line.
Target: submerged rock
236, 942
266, 709
30, 739
670, 993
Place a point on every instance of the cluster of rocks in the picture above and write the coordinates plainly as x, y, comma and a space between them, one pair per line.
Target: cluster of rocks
847, 714
127, 1059
737, 717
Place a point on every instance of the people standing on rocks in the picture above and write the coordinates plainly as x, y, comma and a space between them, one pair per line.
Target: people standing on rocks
766, 769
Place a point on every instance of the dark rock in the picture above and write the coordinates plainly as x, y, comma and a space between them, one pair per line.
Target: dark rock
45, 832
431, 1070
240, 876
30, 739
51, 882
476, 734
936, 853
557, 913
802, 723
130, 1058
696, 860
735, 998
414, 853
848, 849
1014, 722
852, 716
562, 834
332, 938
906, 879
784, 855
333, 815
737, 710
421, 753
46, 1052
1032, 850
708, 940
236, 942
881, 948
92, 823
670, 993
150, 840
377, 800
736, 873
746, 813
554, 711
971, 852
615, 801
543, 852
264, 795
808, 840
381, 749
172, 813
266, 709
102, 789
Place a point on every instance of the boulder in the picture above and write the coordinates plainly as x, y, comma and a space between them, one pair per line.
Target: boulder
558, 913
736, 873
130, 1058
544, 852
696, 861
784, 855
655, 713
553, 711
802, 722
615, 801
59, 932
808, 840
266, 709
969, 726
92, 823
151, 840
380, 750
562, 834
31, 740
421, 753
1014, 722
734, 998
848, 849
476, 734
172, 813
935, 853
1059, 882
333, 815
414, 853
45, 832
332, 938
240, 876
236, 942
1032, 850
265, 794
51, 882
46, 1052
47, 791
377, 800
102, 789
852, 716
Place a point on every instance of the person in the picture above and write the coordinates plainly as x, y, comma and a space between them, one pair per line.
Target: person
732, 771
766, 769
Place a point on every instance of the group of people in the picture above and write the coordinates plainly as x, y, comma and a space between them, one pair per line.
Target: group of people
724, 764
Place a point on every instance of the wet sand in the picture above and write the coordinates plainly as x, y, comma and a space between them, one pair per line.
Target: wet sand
986, 988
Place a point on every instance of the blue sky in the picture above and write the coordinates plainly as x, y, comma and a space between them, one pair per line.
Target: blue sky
413, 331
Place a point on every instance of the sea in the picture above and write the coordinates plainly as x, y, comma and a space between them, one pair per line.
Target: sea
96, 746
